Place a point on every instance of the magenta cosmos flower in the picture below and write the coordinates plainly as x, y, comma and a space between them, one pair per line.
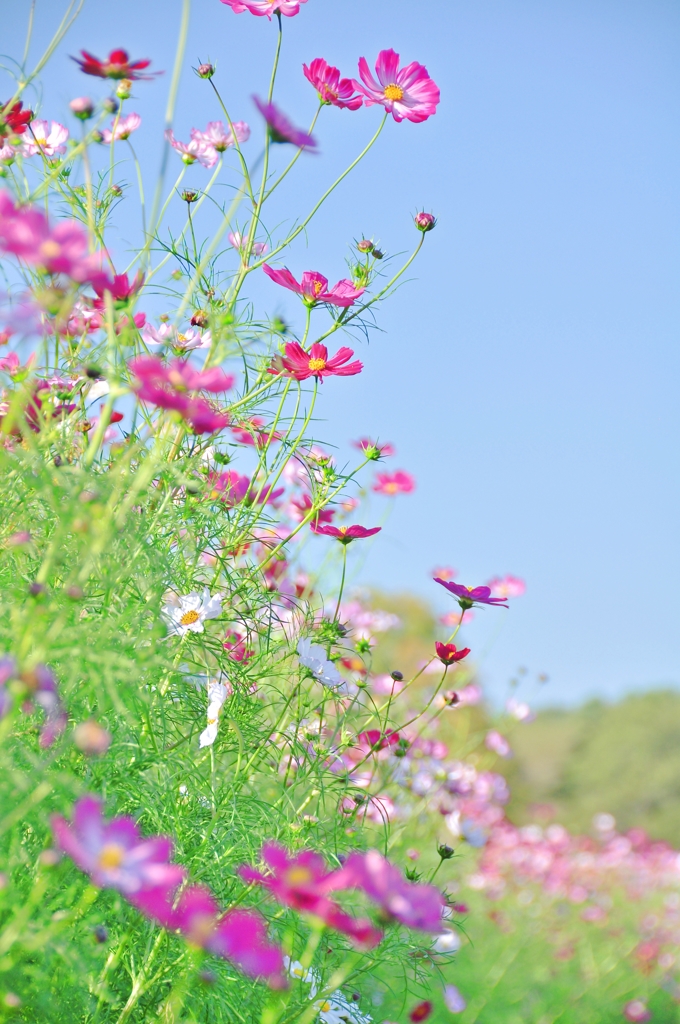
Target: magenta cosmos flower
398, 482
407, 93
345, 534
174, 386
332, 89
413, 904
265, 7
300, 365
468, 596
314, 289
281, 129
113, 853
449, 654
117, 66
302, 882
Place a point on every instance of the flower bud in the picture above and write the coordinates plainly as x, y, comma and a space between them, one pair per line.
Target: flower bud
378, 254
189, 196
200, 319
82, 107
110, 105
124, 89
205, 70
397, 676
91, 739
365, 245
116, 190
424, 221
100, 933
37, 589
445, 852
451, 698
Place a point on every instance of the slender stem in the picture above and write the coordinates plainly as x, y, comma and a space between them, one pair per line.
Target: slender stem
140, 183
342, 582
29, 33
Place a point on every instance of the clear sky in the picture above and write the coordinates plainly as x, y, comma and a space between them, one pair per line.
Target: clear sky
528, 372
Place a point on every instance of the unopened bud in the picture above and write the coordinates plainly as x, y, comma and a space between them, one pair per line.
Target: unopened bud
378, 254
200, 319
110, 105
445, 852
91, 739
123, 89
37, 589
82, 107
425, 221
100, 934
116, 190
451, 698
189, 196
397, 676
365, 245
205, 70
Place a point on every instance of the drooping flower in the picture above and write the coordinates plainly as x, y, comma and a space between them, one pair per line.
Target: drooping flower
507, 586
218, 691
265, 7
374, 449
449, 654
45, 137
469, 596
13, 119
332, 90
345, 534
193, 151
313, 289
398, 482
82, 107
300, 365
117, 66
190, 611
113, 853
496, 742
281, 129
407, 93
414, 904
220, 138
121, 130
241, 243
313, 657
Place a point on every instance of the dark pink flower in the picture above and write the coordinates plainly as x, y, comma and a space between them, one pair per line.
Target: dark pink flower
113, 853
398, 482
374, 449
281, 129
345, 534
333, 90
314, 289
468, 596
425, 221
300, 507
252, 433
174, 387
421, 1011
235, 645
413, 904
117, 66
408, 93
300, 365
230, 487
449, 654
265, 7
13, 120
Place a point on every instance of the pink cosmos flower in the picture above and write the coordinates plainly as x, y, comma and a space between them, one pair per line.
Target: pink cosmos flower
253, 432
374, 449
467, 596
345, 534
171, 387
449, 654
300, 507
193, 151
398, 482
332, 90
281, 129
123, 130
46, 137
496, 742
507, 586
300, 365
220, 138
413, 904
314, 287
230, 487
408, 93
241, 243
7, 153
113, 853
117, 66
235, 645
166, 334
302, 882
261, 7
637, 1012
63, 249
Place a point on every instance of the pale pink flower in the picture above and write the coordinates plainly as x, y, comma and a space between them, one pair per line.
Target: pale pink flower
166, 334
496, 742
637, 1012
507, 586
265, 7
193, 151
46, 137
398, 482
240, 242
7, 153
123, 130
220, 138
407, 93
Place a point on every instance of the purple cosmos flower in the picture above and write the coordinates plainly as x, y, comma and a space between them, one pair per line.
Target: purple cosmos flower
345, 534
281, 129
468, 596
414, 904
113, 853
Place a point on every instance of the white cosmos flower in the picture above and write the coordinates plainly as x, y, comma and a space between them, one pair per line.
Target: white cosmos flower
447, 942
313, 657
337, 1009
188, 613
218, 692
296, 970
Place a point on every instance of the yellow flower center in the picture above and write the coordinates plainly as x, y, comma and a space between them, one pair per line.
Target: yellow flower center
317, 287
112, 856
298, 876
324, 1007
189, 618
394, 92
317, 364
50, 249
181, 338
391, 488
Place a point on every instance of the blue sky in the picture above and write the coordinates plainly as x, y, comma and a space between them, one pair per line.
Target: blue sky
528, 371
